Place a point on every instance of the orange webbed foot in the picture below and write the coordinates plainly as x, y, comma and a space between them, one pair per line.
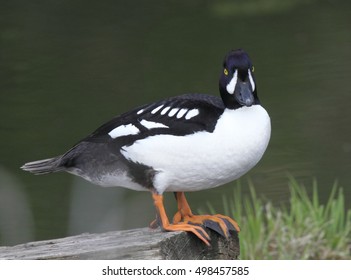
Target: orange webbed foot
219, 223
163, 221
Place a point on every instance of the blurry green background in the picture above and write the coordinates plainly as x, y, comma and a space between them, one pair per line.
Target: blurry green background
68, 66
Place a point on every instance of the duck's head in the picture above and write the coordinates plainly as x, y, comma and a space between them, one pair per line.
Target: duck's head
237, 83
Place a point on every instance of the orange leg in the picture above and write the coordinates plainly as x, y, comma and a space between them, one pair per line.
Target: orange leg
164, 222
184, 214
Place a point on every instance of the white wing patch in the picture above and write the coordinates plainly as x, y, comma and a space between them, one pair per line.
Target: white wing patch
231, 86
123, 130
130, 129
154, 111
192, 113
151, 125
173, 112
181, 113
165, 110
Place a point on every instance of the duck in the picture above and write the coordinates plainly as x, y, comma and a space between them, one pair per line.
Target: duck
180, 144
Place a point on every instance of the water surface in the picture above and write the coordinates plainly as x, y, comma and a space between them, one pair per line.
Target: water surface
66, 67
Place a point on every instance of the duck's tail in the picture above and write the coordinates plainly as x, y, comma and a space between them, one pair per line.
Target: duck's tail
44, 166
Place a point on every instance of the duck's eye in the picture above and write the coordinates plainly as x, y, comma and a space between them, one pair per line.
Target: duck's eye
252, 68
225, 71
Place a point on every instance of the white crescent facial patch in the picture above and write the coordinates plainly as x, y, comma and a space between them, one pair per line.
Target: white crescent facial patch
232, 83
251, 80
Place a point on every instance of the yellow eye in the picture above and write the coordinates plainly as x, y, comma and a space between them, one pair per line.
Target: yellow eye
252, 69
225, 72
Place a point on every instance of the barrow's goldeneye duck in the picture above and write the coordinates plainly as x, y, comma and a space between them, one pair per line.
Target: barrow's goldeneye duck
190, 142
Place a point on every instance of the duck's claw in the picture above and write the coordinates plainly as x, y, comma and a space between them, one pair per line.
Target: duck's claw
231, 223
217, 228
219, 223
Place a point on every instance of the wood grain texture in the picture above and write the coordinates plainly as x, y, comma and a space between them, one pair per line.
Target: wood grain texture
143, 243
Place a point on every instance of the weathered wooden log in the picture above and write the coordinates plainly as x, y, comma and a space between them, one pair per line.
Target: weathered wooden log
139, 244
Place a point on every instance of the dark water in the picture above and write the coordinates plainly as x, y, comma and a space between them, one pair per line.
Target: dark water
68, 66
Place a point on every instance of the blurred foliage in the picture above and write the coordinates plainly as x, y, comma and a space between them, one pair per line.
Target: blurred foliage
305, 229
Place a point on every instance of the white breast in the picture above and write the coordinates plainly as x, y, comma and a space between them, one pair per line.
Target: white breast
205, 160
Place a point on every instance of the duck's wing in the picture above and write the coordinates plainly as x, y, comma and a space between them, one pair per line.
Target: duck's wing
181, 115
